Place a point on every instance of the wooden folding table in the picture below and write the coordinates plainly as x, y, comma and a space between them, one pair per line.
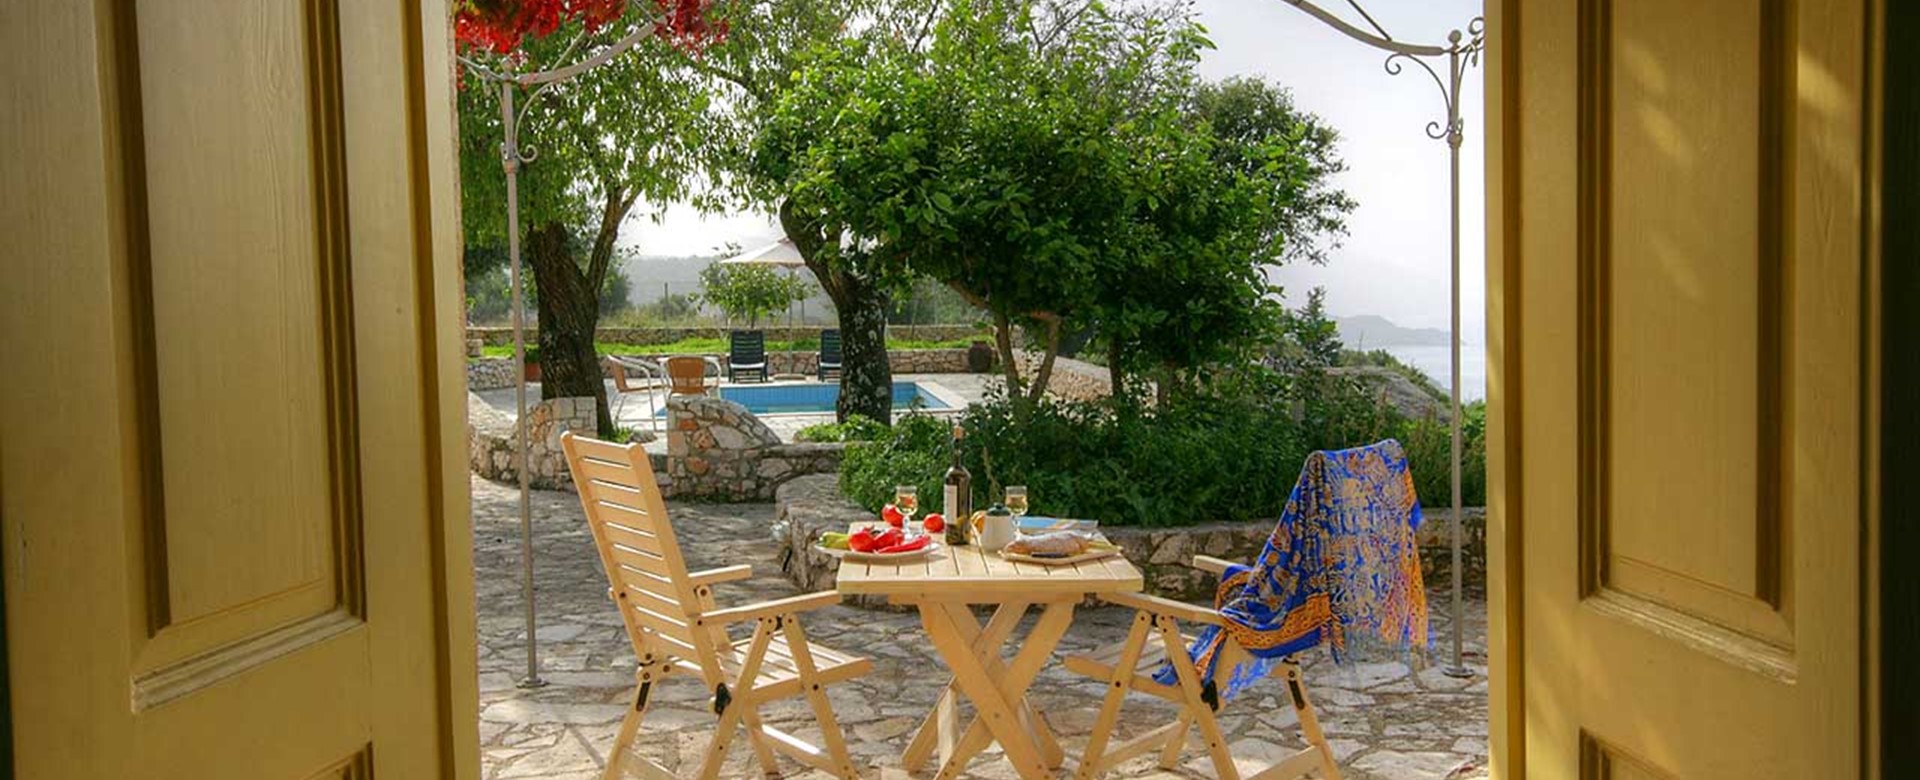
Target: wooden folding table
943, 586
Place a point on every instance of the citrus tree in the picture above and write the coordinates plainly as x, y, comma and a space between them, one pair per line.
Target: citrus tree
747, 292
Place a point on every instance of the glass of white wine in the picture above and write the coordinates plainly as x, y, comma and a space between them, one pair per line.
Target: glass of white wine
1017, 501
906, 498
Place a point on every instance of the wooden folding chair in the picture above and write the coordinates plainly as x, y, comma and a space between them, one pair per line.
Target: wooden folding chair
1154, 639
672, 621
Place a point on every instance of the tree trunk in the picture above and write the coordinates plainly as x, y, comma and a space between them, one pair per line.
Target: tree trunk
866, 375
569, 310
1115, 373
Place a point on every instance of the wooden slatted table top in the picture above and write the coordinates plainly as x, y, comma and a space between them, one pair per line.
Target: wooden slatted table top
972, 574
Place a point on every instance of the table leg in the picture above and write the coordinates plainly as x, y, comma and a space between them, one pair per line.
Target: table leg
941, 727
999, 693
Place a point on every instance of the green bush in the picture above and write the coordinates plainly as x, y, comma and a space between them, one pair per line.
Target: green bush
856, 428
913, 453
1230, 453
1429, 446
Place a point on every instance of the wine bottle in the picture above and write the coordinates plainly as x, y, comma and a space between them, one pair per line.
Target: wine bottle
959, 494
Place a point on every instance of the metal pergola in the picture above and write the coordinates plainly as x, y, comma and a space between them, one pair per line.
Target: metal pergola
512, 156
1462, 51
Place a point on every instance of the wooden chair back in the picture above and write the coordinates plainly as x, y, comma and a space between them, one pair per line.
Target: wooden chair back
687, 374
648, 577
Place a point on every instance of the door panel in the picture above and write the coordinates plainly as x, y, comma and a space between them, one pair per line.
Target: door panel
1678, 271
227, 492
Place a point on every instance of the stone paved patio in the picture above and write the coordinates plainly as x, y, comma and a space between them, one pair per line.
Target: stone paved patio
1384, 721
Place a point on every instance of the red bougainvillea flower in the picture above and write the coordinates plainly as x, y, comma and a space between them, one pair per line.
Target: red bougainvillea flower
502, 26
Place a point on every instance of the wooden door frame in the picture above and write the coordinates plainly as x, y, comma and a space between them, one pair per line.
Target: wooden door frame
1898, 499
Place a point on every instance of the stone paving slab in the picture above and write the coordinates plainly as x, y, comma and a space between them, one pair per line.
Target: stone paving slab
1384, 721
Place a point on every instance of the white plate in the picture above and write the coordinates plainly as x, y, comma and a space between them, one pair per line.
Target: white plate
867, 557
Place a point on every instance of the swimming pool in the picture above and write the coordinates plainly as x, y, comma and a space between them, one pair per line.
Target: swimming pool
818, 398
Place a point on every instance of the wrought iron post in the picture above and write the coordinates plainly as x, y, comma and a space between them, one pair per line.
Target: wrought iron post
1462, 51
510, 160
512, 156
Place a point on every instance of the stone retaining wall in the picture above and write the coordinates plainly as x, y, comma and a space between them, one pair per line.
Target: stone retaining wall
1164, 555
491, 434
496, 336
810, 505
718, 449
489, 373
1072, 380
494, 373
807, 507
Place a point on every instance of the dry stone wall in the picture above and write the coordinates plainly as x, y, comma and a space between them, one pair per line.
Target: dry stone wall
491, 434
495, 373
717, 449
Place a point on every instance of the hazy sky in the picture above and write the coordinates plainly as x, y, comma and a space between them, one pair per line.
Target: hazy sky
1395, 262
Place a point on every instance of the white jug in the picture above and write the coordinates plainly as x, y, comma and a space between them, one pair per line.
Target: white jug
996, 531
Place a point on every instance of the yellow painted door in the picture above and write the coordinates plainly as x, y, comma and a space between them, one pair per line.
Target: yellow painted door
1676, 222
231, 439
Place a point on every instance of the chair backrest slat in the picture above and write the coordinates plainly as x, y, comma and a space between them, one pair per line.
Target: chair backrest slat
830, 346
628, 518
748, 346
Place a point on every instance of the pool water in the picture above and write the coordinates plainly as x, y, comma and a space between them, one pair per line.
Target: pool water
816, 398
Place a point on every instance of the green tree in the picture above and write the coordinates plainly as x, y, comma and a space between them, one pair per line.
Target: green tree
1314, 334
1050, 174
632, 129
768, 45
749, 292
983, 162
1290, 153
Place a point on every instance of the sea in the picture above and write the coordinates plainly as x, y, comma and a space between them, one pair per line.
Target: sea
1436, 362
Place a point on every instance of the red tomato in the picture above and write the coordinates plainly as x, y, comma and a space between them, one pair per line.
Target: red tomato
935, 523
892, 516
862, 540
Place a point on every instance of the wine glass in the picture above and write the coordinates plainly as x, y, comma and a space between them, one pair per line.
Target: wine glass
1017, 502
906, 498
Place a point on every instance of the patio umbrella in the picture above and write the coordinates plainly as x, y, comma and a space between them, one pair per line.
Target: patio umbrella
779, 254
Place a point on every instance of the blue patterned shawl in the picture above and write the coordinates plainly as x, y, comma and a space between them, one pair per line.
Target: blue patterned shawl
1341, 567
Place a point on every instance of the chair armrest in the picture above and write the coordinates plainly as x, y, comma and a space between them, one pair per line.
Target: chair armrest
767, 609
722, 574
1179, 610
1212, 564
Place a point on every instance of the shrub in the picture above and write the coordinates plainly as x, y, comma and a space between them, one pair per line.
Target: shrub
1429, 444
914, 452
856, 428
1230, 452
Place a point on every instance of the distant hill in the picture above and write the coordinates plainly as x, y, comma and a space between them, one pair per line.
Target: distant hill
648, 273
1372, 331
